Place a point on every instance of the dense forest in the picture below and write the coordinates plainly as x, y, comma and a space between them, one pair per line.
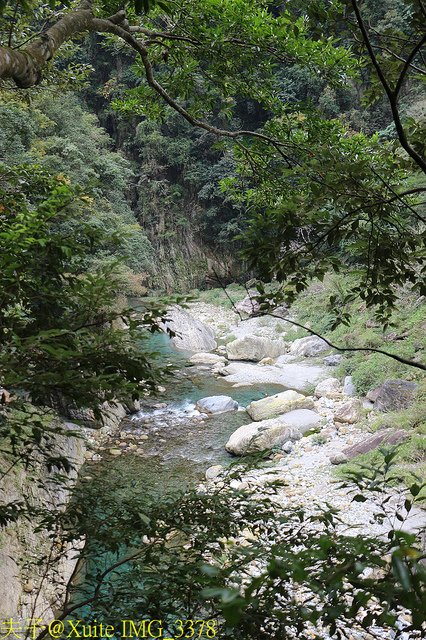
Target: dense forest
212, 276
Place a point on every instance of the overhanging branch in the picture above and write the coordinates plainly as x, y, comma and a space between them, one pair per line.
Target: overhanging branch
401, 359
392, 94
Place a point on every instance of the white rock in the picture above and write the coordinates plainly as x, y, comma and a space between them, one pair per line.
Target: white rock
266, 434
206, 358
349, 387
308, 347
255, 348
242, 384
273, 406
217, 404
214, 471
291, 376
191, 334
339, 458
328, 388
350, 411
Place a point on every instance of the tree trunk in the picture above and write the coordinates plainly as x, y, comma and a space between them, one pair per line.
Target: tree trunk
25, 67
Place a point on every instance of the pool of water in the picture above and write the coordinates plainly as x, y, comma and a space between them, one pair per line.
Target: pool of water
181, 445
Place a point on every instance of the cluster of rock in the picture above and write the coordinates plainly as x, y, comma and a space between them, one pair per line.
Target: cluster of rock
256, 355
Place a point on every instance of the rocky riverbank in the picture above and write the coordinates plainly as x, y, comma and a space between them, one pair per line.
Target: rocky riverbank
244, 385
309, 430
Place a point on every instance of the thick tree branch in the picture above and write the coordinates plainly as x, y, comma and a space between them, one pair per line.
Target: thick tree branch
24, 67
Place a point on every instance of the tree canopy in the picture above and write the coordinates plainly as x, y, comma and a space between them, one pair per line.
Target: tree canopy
321, 192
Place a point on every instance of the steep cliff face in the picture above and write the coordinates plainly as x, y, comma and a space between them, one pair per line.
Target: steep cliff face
34, 567
25, 589
175, 191
177, 200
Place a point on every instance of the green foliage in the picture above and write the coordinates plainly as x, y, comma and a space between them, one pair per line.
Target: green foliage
298, 231
17, 132
64, 138
320, 195
317, 195
243, 571
404, 336
224, 297
56, 327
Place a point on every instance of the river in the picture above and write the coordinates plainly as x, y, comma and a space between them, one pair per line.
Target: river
176, 444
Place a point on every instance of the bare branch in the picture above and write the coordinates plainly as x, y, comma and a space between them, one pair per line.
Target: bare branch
410, 363
397, 57
407, 65
392, 95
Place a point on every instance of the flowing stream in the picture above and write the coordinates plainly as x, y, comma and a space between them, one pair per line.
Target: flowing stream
181, 445
176, 445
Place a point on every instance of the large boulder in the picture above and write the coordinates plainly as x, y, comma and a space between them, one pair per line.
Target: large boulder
191, 334
291, 376
349, 388
216, 404
385, 437
308, 347
393, 395
267, 434
333, 360
280, 403
249, 305
255, 348
328, 388
350, 411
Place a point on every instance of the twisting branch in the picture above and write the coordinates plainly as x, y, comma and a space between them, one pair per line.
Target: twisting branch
24, 67
406, 361
392, 94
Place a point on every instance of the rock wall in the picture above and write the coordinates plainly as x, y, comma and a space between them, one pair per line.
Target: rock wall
28, 591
